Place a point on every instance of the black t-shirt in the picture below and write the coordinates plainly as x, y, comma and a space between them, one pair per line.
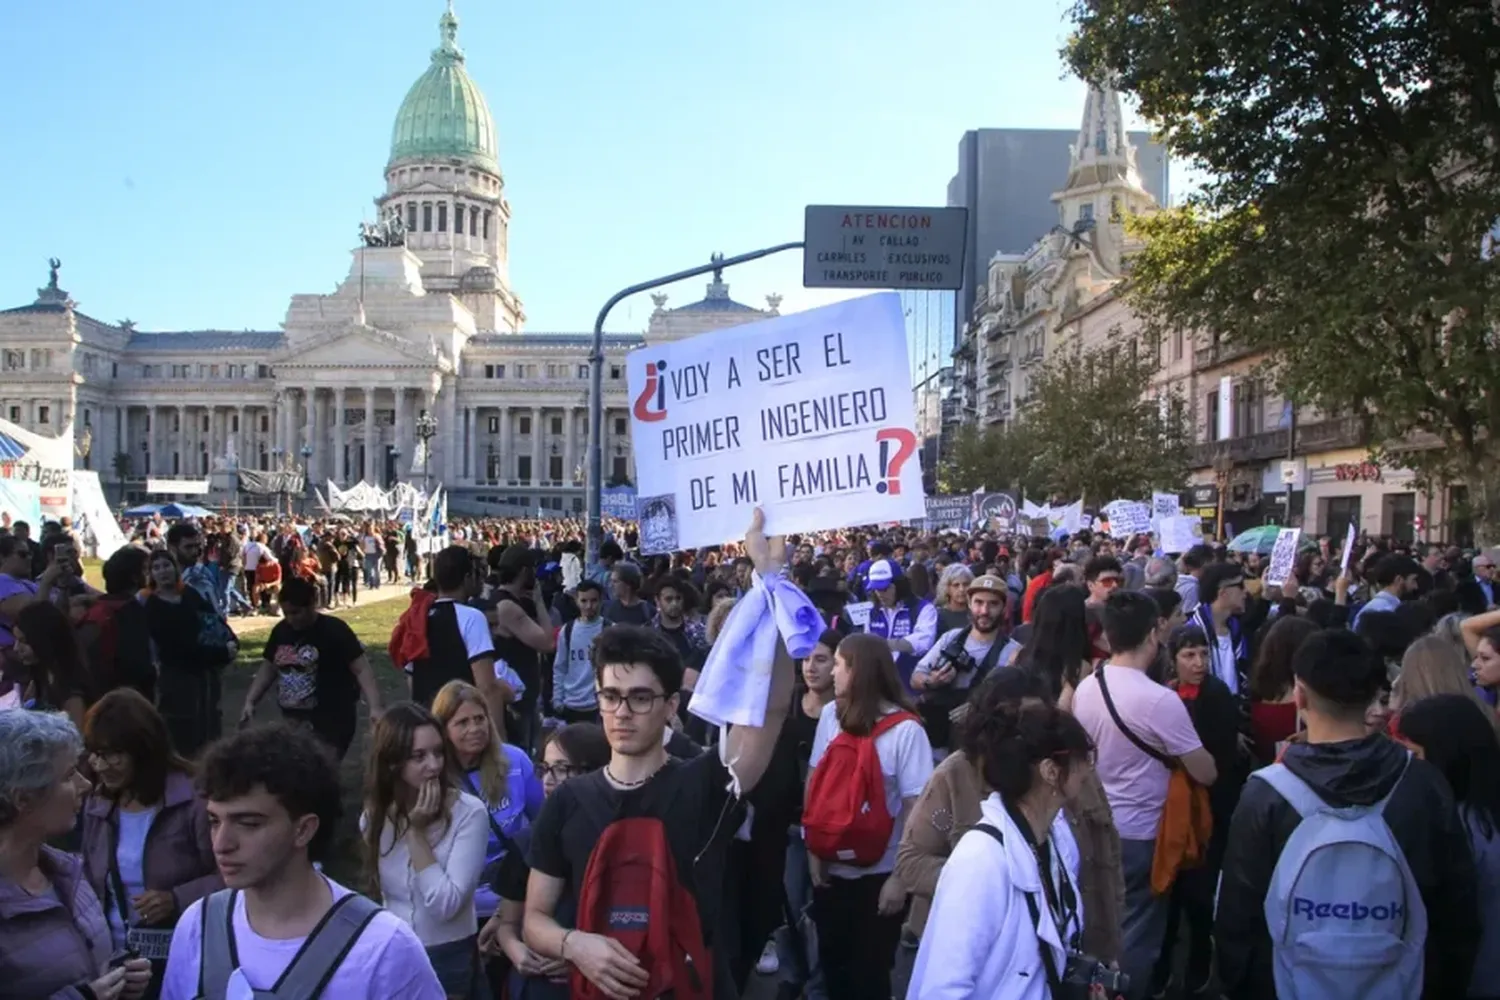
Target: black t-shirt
521, 657
690, 797
639, 613
312, 666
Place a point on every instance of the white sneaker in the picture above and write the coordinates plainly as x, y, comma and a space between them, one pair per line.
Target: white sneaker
769, 964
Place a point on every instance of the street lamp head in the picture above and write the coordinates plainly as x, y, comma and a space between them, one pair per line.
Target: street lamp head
307, 451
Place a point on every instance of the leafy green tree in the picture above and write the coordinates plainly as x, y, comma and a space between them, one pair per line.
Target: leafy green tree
992, 458
1352, 178
1098, 430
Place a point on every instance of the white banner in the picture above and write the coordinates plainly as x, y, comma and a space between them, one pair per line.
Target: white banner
46, 461
92, 519
177, 487
808, 416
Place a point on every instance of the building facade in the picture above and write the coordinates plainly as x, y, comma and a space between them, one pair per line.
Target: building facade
1004, 178
1062, 295
429, 327
1055, 295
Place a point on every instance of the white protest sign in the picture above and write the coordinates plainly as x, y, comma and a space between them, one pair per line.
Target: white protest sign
1179, 533
1165, 504
1348, 550
808, 416
859, 613
1128, 517
1283, 556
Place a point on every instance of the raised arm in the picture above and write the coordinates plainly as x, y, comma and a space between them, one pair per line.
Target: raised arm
749, 748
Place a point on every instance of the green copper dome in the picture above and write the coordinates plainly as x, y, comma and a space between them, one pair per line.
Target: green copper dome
444, 114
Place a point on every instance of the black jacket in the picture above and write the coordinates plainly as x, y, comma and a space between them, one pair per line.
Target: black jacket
1425, 823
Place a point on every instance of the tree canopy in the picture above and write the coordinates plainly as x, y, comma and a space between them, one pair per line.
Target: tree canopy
1352, 154
1097, 431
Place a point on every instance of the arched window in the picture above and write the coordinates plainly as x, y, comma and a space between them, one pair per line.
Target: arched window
486, 225
411, 215
473, 220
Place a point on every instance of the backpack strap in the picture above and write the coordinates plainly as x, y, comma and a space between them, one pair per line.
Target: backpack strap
217, 958
1114, 714
325, 949
1300, 795
890, 722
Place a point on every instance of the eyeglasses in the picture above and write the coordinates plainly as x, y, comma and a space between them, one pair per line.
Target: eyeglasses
557, 772
109, 758
640, 701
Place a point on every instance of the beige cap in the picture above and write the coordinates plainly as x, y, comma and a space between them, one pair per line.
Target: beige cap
993, 584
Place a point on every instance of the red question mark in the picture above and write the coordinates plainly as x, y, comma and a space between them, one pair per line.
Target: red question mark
890, 465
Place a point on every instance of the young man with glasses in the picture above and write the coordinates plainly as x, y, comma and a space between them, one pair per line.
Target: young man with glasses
638, 674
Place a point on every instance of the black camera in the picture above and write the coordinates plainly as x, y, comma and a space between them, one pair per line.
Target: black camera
1083, 972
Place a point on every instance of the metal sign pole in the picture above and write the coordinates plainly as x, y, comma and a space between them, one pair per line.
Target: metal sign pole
596, 385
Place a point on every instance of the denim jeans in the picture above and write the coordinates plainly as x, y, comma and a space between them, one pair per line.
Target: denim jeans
794, 951
1144, 927
372, 572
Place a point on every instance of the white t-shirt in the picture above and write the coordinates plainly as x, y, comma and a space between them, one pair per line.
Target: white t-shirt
130, 857
1224, 666
252, 553
905, 764
387, 960
1134, 782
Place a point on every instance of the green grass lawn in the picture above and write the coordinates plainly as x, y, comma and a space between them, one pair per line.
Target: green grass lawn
373, 625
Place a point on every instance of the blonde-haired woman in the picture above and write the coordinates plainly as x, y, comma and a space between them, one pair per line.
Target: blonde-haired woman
497, 773
1432, 665
425, 843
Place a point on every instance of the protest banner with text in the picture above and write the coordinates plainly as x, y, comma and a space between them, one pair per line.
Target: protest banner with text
808, 416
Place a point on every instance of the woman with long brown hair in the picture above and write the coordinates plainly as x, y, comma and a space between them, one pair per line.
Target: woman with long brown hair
58, 680
193, 645
858, 910
425, 842
147, 851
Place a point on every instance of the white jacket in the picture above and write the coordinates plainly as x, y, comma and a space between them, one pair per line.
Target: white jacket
980, 942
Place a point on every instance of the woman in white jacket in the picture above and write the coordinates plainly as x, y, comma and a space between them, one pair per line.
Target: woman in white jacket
981, 941
425, 843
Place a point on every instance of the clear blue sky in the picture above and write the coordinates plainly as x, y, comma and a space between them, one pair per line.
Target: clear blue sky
195, 164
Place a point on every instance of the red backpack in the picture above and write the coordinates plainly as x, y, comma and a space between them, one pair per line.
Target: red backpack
846, 818
631, 893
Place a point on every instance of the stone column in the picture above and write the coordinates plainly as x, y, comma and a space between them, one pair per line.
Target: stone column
242, 437
570, 428
538, 473
450, 436
339, 438
505, 449
477, 432
367, 473
179, 442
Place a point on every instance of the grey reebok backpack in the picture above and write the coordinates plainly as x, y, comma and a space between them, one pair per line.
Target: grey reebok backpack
1345, 916
314, 965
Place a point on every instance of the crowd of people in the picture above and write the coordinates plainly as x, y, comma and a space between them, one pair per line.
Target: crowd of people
992, 767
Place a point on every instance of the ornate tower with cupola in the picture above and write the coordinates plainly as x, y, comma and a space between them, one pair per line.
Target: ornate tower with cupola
443, 180
1104, 182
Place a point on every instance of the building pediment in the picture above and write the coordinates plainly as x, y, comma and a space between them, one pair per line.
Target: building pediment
360, 346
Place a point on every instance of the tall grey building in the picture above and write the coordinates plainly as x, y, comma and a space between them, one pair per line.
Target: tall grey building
1006, 177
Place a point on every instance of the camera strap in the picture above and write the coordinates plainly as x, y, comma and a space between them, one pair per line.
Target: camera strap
1049, 961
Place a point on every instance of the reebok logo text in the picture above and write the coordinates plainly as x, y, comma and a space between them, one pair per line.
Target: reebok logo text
1312, 910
